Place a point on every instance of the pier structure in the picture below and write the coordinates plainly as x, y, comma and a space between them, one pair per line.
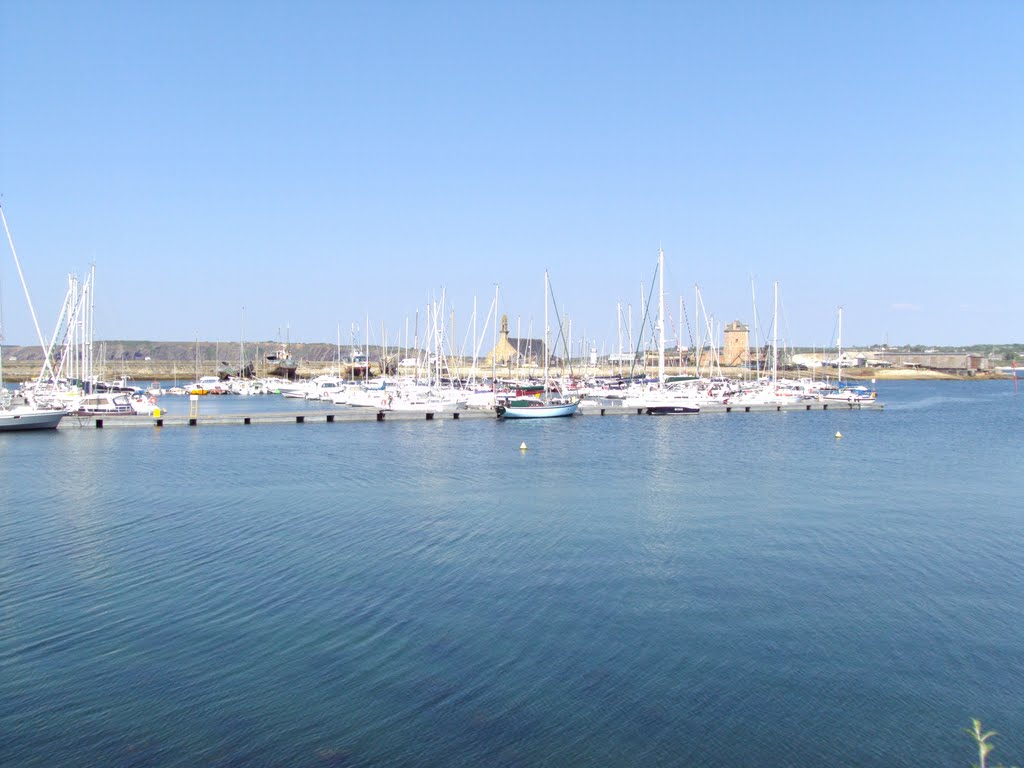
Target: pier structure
340, 415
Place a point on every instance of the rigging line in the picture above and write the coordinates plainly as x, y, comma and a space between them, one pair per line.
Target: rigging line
561, 336
647, 312
686, 318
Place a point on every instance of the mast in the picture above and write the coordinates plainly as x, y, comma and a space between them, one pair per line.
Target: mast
757, 339
475, 346
494, 343
39, 333
661, 319
547, 352
88, 333
699, 346
618, 320
775, 337
519, 336
643, 322
241, 347
679, 335
629, 333
839, 342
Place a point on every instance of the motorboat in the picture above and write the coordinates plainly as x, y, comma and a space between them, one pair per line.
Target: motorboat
672, 410
21, 418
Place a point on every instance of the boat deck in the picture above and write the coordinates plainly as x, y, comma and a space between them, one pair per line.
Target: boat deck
338, 415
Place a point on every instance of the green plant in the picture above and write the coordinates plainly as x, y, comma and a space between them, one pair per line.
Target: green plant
981, 739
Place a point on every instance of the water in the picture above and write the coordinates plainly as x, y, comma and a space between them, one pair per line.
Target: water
734, 589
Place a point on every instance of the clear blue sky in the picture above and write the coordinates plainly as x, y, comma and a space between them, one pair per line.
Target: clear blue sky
320, 162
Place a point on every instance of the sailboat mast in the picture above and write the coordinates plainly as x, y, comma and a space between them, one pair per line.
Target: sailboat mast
47, 366
775, 337
643, 323
839, 343
494, 343
547, 352
661, 319
679, 334
241, 347
757, 339
629, 333
618, 320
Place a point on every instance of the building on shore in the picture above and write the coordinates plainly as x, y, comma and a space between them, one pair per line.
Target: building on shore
962, 363
736, 352
514, 353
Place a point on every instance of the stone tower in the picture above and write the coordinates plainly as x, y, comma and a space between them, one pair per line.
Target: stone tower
737, 345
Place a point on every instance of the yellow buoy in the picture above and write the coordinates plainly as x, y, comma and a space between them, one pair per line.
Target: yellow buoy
839, 435
156, 413
522, 447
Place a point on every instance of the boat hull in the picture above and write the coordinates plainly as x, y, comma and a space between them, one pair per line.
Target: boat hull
672, 410
536, 411
22, 420
284, 371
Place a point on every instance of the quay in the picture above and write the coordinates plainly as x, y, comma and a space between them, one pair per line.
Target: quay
334, 416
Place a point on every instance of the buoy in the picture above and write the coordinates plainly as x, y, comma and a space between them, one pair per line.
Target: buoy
839, 435
156, 413
522, 447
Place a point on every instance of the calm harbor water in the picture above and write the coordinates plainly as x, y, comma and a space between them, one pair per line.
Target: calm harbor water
719, 590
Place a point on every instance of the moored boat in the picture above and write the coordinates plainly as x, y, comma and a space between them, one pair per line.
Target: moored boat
851, 394
672, 410
21, 418
280, 363
543, 407
536, 410
111, 404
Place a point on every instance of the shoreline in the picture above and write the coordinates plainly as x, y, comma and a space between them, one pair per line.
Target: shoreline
152, 370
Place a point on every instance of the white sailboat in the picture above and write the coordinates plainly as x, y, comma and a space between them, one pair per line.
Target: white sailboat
543, 407
852, 394
663, 401
20, 418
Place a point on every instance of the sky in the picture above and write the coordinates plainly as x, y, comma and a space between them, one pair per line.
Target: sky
315, 171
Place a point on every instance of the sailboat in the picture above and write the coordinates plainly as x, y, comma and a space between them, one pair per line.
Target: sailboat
20, 418
544, 407
852, 394
663, 402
